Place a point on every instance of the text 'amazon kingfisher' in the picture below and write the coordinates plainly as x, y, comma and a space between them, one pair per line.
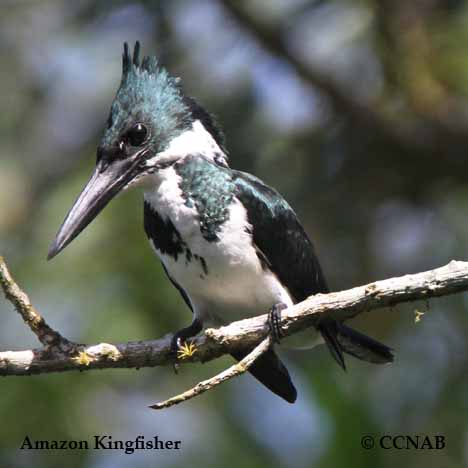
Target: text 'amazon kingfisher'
229, 243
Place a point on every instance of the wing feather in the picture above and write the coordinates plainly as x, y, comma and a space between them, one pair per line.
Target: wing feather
279, 236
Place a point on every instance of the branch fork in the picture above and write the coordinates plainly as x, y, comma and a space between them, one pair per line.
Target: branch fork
58, 354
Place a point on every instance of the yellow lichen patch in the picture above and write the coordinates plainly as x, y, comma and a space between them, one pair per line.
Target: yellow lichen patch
418, 315
186, 350
83, 358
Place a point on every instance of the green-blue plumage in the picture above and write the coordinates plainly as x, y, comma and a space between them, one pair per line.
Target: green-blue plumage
210, 189
220, 233
147, 93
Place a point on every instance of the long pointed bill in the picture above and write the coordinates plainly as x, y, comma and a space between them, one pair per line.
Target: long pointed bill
99, 191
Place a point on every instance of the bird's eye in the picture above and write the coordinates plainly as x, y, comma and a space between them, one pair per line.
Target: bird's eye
137, 135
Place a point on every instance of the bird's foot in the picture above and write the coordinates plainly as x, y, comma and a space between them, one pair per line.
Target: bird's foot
274, 321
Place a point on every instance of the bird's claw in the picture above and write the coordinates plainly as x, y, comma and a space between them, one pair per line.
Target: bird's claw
274, 321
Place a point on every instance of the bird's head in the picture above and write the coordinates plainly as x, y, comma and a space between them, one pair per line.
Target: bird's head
151, 125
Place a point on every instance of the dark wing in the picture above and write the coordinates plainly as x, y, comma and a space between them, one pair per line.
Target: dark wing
284, 247
165, 238
280, 240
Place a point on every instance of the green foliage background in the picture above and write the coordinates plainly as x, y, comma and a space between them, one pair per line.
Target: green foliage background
377, 199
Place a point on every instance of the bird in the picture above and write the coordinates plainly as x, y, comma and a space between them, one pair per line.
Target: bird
229, 243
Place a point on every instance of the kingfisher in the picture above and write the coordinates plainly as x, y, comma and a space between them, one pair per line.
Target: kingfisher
230, 244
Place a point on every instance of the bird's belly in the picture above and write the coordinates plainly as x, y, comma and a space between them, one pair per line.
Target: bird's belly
220, 273
226, 293
225, 284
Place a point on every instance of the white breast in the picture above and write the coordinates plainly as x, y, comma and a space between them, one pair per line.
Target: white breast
234, 285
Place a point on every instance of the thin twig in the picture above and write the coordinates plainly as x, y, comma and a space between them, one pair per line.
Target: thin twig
49, 337
235, 370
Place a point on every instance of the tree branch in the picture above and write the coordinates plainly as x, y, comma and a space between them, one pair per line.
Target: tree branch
235, 370
31, 317
450, 279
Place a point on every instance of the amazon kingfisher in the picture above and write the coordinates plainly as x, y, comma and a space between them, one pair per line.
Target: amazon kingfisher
228, 242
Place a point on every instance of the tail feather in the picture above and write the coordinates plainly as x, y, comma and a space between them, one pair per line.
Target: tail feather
362, 346
329, 333
341, 338
272, 373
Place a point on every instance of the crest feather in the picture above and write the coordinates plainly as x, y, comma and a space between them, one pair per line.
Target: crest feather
131, 63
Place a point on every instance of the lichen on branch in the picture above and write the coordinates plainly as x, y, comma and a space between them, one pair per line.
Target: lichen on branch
59, 354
